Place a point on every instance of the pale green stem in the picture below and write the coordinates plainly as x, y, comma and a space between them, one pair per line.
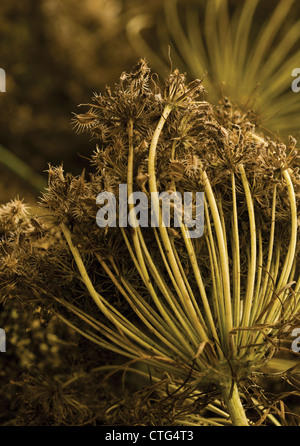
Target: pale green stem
215, 291
136, 239
222, 253
236, 259
293, 240
95, 339
247, 308
289, 260
173, 302
198, 277
187, 284
176, 309
218, 299
186, 301
121, 323
233, 403
141, 252
101, 328
263, 293
255, 304
140, 308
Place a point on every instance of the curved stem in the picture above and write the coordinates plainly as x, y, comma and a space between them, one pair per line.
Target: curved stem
185, 298
288, 264
222, 253
142, 255
236, 258
252, 257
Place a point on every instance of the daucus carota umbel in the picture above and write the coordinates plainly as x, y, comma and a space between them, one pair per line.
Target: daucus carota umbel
208, 311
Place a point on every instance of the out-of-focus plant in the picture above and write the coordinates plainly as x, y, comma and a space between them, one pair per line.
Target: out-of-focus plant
52, 53
203, 314
248, 49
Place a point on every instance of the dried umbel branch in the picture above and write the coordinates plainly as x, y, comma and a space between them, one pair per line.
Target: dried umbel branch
207, 311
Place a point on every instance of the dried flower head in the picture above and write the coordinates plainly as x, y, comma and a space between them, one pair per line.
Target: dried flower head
206, 311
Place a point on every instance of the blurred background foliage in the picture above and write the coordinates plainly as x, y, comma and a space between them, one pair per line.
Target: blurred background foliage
248, 49
56, 53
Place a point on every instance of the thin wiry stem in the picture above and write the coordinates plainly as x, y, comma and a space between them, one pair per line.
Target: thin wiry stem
292, 246
236, 259
189, 308
142, 254
266, 280
120, 322
152, 322
222, 252
252, 262
199, 281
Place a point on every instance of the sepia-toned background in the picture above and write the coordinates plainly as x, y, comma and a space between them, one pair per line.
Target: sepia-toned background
56, 53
